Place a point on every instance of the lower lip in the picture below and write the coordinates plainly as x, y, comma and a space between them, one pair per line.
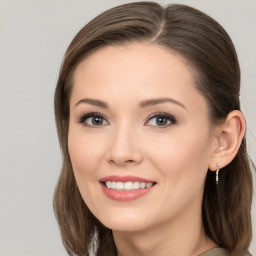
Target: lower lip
125, 195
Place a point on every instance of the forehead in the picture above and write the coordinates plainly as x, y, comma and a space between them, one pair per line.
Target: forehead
134, 54
137, 70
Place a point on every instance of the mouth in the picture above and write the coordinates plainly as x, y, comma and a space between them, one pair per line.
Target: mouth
126, 188
129, 185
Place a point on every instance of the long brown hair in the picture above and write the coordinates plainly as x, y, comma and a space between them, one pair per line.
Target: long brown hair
211, 54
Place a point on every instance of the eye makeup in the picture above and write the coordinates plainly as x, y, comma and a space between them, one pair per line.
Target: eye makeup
156, 120
93, 119
161, 120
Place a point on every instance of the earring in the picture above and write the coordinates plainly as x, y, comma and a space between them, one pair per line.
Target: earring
217, 173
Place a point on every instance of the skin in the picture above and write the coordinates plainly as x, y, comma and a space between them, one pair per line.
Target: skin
166, 221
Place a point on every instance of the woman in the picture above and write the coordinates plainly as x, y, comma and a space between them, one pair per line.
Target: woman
154, 154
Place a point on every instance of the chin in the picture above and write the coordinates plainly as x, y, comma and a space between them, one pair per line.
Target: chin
126, 226
124, 221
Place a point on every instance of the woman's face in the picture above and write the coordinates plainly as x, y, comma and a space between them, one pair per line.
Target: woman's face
139, 138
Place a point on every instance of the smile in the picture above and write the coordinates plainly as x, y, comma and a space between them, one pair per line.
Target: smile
127, 185
125, 188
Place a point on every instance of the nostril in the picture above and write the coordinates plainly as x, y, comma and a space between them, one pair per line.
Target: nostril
121, 162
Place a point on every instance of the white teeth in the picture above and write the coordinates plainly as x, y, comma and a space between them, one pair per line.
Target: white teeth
113, 184
108, 184
127, 185
119, 185
136, 185
148, 185
142, 185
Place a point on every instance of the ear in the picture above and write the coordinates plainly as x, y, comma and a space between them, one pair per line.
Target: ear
229, 136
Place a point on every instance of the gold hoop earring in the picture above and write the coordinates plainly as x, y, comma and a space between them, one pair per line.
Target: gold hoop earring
217, 173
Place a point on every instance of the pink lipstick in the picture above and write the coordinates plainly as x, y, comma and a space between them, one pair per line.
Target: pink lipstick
125, 188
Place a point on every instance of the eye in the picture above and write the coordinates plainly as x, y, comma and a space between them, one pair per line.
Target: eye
161, 120
93, 119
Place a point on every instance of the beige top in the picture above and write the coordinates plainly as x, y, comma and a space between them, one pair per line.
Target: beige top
218, 252
215, 252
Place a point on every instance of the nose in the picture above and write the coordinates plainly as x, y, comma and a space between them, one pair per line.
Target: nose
124, 147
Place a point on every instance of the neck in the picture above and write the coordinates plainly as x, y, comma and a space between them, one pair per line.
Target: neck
183, 236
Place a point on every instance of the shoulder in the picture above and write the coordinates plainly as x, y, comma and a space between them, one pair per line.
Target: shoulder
215, 252
219, 252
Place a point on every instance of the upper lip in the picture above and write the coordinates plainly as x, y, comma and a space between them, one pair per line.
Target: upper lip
125, 179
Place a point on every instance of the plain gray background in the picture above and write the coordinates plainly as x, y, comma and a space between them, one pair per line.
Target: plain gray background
33, 38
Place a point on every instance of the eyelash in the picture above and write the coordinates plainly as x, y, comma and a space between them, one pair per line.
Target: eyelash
83, 119
170, 118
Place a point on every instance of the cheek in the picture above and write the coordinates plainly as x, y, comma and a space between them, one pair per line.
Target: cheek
84, 152
180, 154
85, 155
182, 162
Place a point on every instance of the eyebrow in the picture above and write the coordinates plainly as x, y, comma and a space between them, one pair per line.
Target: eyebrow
152, 102
93, 102
143, 104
